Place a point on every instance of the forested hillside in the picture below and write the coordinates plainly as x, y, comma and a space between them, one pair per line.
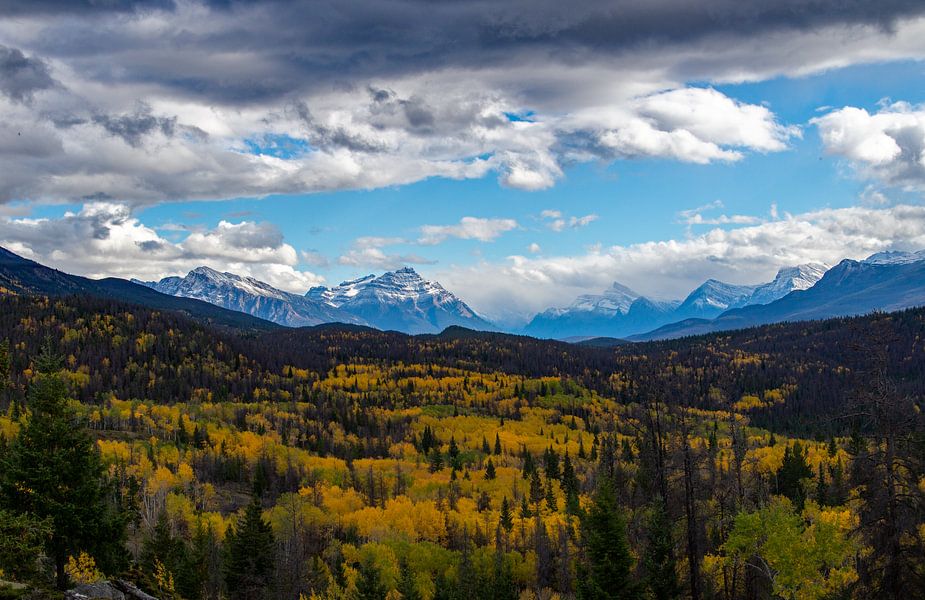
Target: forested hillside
345, 462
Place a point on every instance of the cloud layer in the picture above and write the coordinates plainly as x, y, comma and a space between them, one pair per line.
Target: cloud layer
143, 102
746, 254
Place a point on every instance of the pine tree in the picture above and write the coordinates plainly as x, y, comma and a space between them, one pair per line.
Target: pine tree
570, 486
497, 444
249, 555
791, 474
551, 497
490, 470
4, 365
658, 559
162, 547
605, 568
52, 470
506, 519
436, 460
369, 586
536, 488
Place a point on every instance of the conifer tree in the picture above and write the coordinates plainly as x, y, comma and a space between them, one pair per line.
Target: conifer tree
249, 556
606, 565
658, 559
506, 519
490, 470
52, 470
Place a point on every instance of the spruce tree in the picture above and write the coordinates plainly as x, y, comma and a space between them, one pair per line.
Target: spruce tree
52, 470
791, 474
658, 558
249, 556
490, 470
606, 565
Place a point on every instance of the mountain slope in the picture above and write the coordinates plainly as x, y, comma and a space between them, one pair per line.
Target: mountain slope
22, 276
849, 288
251, 296
620, 312
401, 300
788, 279
712, 298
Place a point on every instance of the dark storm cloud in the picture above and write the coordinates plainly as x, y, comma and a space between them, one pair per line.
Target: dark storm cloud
22, 76
33, 7
133, 127
289, 47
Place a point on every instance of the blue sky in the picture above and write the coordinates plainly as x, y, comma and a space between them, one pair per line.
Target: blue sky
635, 200
518, 171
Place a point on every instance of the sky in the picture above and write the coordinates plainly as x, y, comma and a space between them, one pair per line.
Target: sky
521, 153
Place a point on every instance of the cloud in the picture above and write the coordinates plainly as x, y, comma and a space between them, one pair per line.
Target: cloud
521, 286
469, 228
367, 252
557, 222
695, 216
161, 101
21, 76
888, 146
105, 239
534, 248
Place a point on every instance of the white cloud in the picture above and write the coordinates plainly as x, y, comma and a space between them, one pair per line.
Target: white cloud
888, 146
104, 239
367, 252
557, 222
522, 285
534, 248
468, 228
695, 216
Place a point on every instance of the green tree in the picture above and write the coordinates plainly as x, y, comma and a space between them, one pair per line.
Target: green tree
606, 565
658, 558
249, 556
369, 586
4, 365
506, 518
22, 538
800, 556
791, 474
490, 470
52, 470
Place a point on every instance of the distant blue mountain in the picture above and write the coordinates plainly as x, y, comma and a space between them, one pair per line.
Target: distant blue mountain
880, 283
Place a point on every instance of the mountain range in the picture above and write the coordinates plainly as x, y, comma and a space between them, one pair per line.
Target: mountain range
620, 312
20, 275
402, 300
850, 288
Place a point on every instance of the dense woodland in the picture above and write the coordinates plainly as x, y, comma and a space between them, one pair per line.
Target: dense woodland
343, 462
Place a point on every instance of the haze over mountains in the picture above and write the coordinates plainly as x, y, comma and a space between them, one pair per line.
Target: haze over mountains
621, 312
404, 301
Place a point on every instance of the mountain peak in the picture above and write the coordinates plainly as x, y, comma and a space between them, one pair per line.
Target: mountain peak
894, 257
400, 299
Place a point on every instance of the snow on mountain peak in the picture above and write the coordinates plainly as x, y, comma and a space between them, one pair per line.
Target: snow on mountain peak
788, 279
894, 257
617, 299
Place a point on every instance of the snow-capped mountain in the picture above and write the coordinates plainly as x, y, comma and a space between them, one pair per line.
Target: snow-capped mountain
617, 299
713, 297
788, 279
251, 296
617, 312
622, 312
400, 300
849, 288
894, 257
